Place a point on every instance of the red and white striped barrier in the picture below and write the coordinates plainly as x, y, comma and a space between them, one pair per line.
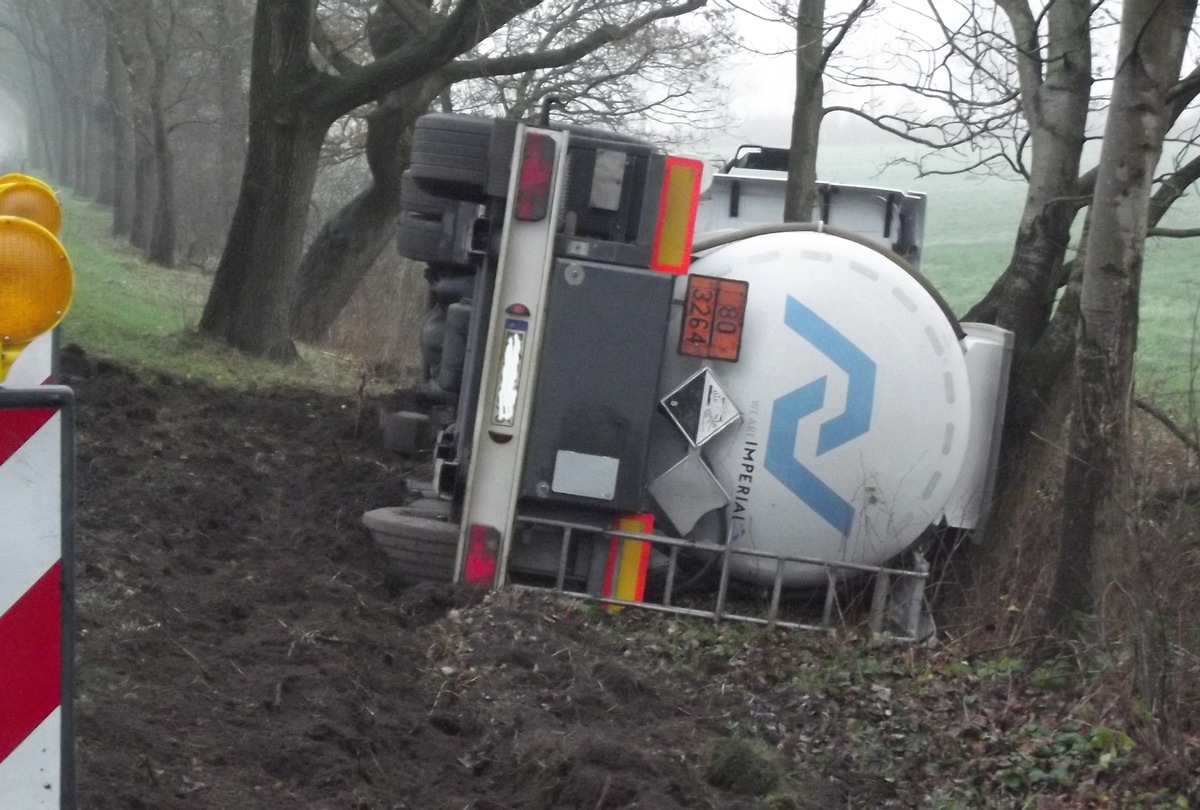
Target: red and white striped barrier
36, 599
35, 365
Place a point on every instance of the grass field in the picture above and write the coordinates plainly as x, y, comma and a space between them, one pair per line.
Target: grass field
145, 316
969, 232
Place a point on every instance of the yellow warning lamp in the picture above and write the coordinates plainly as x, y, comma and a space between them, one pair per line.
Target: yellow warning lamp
36, 284
30, 199
14, 177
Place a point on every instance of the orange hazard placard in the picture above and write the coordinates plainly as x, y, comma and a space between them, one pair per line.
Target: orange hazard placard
714, 311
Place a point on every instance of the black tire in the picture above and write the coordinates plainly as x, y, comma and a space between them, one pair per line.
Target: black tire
452, 155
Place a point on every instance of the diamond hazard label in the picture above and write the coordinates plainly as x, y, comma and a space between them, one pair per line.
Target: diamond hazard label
700, 407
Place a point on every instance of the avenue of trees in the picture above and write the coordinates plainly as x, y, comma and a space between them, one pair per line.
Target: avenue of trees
205, 127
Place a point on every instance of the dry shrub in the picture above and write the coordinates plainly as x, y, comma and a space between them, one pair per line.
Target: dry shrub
381, 325
1149, 612
992, 582
1143, 660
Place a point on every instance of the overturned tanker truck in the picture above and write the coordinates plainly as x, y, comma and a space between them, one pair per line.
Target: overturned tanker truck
642, 387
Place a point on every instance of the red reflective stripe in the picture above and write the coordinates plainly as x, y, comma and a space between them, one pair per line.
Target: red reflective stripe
30, 660
18, 426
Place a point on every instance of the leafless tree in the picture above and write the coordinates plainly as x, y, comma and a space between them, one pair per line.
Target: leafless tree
1094, 541
647, 77
817, 39
53, 47
1011, 87
293, 102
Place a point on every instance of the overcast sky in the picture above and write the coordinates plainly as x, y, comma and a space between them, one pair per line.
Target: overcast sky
763, 87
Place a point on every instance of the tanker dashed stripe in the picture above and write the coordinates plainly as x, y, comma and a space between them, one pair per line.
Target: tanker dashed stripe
18, 427
31, 670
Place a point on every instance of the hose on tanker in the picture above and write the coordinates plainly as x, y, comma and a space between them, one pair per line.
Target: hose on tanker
720, 239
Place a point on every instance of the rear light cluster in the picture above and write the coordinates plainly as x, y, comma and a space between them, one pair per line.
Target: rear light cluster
483, 549
537, 174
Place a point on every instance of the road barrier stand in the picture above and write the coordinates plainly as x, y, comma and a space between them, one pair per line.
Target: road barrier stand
37, 507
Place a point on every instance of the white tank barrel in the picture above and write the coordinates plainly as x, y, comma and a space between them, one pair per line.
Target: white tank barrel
855, 400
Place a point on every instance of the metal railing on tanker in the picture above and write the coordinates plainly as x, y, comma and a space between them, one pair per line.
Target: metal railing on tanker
897, 594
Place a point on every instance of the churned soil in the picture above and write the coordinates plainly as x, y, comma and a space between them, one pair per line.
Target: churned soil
242, 643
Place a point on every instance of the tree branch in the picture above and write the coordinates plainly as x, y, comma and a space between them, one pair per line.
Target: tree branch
334, 55
1174, 233
604, 35
1168, 423
842, 30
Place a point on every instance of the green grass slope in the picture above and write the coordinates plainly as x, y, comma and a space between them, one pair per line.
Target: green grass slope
145, 316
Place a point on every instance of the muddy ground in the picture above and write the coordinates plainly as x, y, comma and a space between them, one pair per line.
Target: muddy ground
241, 643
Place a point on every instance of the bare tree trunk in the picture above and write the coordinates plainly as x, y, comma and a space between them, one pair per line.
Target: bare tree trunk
264, 239
231, 100
161, 250
1055, 93
352, 240
249, 305
141, 224
124, 194
348, 245
1153, 37
1055, 84
808, 112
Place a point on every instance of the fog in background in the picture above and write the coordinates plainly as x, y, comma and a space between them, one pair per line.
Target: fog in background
12, 133
763, 87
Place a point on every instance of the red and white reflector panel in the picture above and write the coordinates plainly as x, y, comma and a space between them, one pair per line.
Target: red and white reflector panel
628, 561
672, 248
36, 742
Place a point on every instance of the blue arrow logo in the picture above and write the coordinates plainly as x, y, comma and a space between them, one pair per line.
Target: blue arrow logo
789, 409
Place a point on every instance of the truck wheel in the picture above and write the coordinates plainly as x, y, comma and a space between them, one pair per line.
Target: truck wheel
451, 155
421, 548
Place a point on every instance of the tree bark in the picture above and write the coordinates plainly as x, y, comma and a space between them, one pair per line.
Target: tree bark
350, 243
1055, 91
1094, 533
124, 196
249, 303
231, 103
161, 247
292, 105
808, 112
141, 223
161, 250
